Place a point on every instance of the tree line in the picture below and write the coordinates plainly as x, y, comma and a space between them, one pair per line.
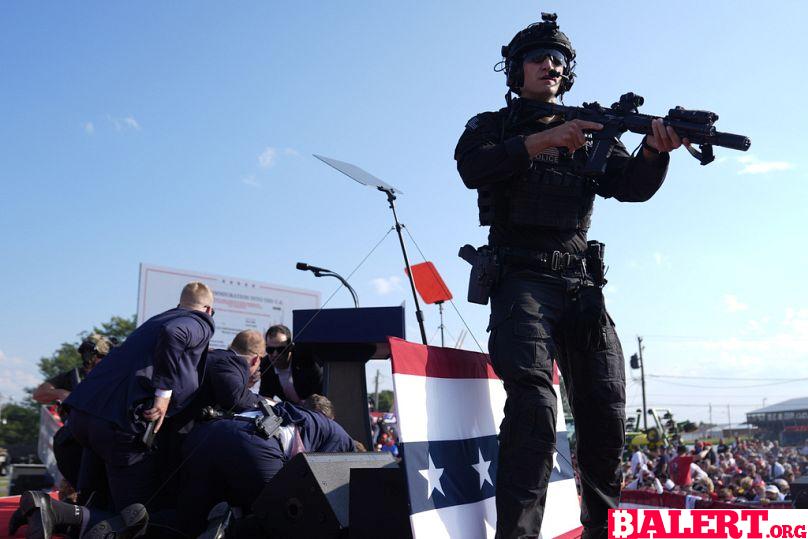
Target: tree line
20, 420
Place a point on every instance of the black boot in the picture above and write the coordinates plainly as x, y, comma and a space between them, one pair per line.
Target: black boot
129, 523
17, 521
45, 515
220, 519
36, 508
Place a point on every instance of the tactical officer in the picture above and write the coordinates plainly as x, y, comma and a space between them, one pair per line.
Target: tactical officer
92, 349
547, 303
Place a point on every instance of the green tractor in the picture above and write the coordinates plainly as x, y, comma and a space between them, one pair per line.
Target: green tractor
663, 430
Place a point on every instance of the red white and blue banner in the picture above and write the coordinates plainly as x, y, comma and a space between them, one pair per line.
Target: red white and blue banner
450, 405
48, 425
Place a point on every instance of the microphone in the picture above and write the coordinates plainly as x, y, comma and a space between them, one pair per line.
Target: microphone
322, 272
554, 73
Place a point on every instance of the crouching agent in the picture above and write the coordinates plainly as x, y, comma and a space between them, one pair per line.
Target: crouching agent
224, 386
230, 459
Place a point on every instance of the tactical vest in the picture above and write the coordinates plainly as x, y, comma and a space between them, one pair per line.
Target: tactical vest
549, 196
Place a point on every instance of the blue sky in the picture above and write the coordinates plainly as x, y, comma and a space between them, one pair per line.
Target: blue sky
182, 134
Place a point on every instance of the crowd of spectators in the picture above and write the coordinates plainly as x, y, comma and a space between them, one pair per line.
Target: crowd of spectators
384, 436
745, 471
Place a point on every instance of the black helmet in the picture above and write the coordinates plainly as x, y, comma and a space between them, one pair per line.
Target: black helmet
538, 34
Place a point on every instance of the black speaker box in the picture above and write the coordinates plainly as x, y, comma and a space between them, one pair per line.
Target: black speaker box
379, 506
309, 497
799, 492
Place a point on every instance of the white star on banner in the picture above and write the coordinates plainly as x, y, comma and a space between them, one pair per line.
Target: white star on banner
432, 476
482, 469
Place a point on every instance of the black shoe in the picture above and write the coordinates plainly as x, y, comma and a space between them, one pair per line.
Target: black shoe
219, 520
18, 520
129, 523
36, 507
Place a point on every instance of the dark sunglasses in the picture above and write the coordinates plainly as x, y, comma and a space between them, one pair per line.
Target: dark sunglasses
276, 349
537, 56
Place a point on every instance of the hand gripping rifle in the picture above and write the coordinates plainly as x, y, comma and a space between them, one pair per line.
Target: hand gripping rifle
695, 125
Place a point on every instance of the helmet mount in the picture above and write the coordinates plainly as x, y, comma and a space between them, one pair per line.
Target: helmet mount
545, 34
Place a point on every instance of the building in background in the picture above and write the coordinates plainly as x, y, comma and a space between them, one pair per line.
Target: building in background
785, 421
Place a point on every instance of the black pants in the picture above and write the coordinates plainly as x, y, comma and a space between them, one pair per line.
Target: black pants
133, 474
533, 317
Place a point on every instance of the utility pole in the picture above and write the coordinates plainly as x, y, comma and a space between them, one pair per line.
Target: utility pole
729, 416
376, 392
642, 378
711, 412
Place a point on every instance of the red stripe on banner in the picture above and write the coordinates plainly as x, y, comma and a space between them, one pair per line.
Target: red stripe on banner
555, 374
436, 362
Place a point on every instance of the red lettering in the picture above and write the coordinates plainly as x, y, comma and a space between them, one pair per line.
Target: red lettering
755, 517
674, 515
621, 523
799, 532
775, 531
726, 524
701, 523
787, 533
653, 524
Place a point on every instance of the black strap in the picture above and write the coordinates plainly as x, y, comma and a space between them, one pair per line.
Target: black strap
552, 261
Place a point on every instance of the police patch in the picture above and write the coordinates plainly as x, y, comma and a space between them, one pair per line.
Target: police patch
549, 155
473, 124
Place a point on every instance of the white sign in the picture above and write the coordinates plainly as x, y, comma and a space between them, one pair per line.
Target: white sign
239, 303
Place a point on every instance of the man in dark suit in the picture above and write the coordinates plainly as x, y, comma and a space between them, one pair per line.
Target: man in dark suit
67, 451
228, 460
152, 376
227, 376
286, 374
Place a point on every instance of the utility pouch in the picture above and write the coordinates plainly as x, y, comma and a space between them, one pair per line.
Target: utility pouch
589, 318
595, 262
484, 272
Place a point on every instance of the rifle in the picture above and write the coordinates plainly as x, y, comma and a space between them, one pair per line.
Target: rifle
695, 125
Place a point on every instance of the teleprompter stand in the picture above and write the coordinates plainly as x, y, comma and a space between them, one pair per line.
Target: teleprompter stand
365, 178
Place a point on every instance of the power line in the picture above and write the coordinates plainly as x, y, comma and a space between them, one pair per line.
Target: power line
694, 338
691, 405
682, 376
732, 387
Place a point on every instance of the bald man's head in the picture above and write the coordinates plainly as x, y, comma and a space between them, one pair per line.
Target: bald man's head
197, 296
249, 343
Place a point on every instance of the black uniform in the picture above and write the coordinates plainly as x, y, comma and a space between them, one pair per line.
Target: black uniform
66, 450
547, 308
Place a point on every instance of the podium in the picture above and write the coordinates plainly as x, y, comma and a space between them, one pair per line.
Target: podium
343, 340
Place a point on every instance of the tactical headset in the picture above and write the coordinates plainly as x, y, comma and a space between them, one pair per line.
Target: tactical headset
540, 34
